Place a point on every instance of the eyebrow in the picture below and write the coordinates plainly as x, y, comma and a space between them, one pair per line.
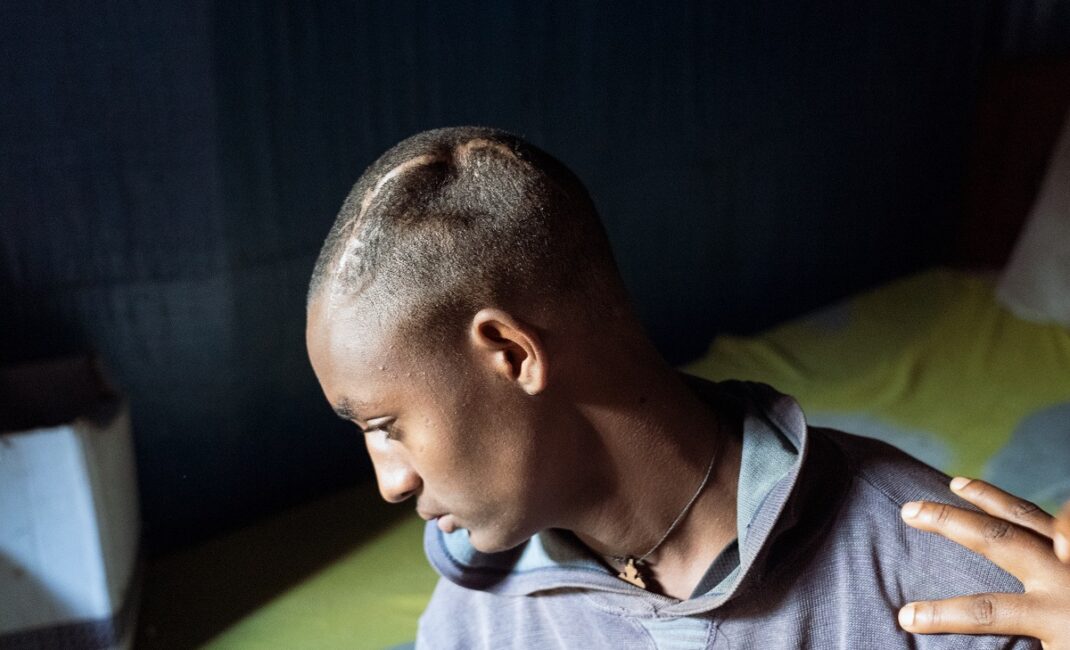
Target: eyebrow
344, 410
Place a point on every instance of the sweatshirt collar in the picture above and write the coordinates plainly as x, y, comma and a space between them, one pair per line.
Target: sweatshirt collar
555, 559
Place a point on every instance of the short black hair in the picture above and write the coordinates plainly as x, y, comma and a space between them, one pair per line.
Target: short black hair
455, 219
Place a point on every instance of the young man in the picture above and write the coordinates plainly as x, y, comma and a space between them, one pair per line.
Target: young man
467, 314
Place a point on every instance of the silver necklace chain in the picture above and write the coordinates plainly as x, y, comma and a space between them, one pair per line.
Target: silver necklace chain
679, 517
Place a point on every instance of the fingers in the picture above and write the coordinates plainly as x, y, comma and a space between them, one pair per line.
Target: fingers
978, 614
1016, 536
1017, 550
1062, 534
1002, 505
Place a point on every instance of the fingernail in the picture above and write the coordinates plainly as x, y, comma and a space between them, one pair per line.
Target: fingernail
911, 510
906, 615
959, 482
1062, 547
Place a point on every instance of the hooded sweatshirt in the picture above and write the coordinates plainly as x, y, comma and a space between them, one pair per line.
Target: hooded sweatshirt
822, 559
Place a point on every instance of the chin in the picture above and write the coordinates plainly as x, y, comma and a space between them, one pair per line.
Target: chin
494, 541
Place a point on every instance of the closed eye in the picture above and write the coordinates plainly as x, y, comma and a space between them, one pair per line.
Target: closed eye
385, 425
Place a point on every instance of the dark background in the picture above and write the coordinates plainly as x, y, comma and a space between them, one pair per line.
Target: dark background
170, 169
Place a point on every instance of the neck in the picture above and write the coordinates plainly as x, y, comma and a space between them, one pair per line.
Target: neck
657, 439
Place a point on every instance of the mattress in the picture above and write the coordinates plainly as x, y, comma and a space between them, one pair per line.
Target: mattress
932, 364
343, 571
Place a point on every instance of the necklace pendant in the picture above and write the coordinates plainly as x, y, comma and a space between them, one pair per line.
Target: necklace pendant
631, 574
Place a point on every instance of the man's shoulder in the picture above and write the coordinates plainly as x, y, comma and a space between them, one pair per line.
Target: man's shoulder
883, 479
892, 472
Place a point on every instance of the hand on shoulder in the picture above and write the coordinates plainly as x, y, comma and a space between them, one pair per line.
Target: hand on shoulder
1020, 538
1062, 534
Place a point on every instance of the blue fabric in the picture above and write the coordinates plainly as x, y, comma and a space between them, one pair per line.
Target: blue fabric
824, 563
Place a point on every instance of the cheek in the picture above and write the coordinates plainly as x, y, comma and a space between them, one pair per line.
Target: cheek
444, 454
481, 440
512, 453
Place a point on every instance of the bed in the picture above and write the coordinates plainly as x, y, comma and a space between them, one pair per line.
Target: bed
933, 364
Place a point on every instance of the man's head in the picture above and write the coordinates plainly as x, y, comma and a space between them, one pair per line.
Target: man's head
462, 261
450, 220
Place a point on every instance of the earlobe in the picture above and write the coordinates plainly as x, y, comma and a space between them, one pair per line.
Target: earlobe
511, 348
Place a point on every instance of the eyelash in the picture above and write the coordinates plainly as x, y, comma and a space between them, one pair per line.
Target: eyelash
387, 428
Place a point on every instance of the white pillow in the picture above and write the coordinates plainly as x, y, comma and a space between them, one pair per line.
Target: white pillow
1035, 285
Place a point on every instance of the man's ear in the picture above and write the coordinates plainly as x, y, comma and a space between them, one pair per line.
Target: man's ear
511, 348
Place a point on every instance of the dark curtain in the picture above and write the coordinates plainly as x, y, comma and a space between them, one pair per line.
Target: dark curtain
170, 170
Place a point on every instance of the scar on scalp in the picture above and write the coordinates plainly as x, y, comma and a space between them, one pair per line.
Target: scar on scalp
464, 150
461, 154
351, 247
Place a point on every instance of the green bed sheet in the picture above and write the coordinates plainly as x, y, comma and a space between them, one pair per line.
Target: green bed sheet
933, 364
370, 598
344, 571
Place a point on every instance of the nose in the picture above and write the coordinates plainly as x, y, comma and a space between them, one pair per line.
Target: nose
395, 475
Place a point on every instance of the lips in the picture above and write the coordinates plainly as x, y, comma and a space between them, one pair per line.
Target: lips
446, 524
429, 516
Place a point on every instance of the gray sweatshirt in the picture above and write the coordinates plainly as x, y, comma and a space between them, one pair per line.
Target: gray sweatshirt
823, 560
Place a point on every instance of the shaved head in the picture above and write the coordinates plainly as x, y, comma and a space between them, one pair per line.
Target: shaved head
452, 220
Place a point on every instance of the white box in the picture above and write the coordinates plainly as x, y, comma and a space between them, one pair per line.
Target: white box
69, 527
